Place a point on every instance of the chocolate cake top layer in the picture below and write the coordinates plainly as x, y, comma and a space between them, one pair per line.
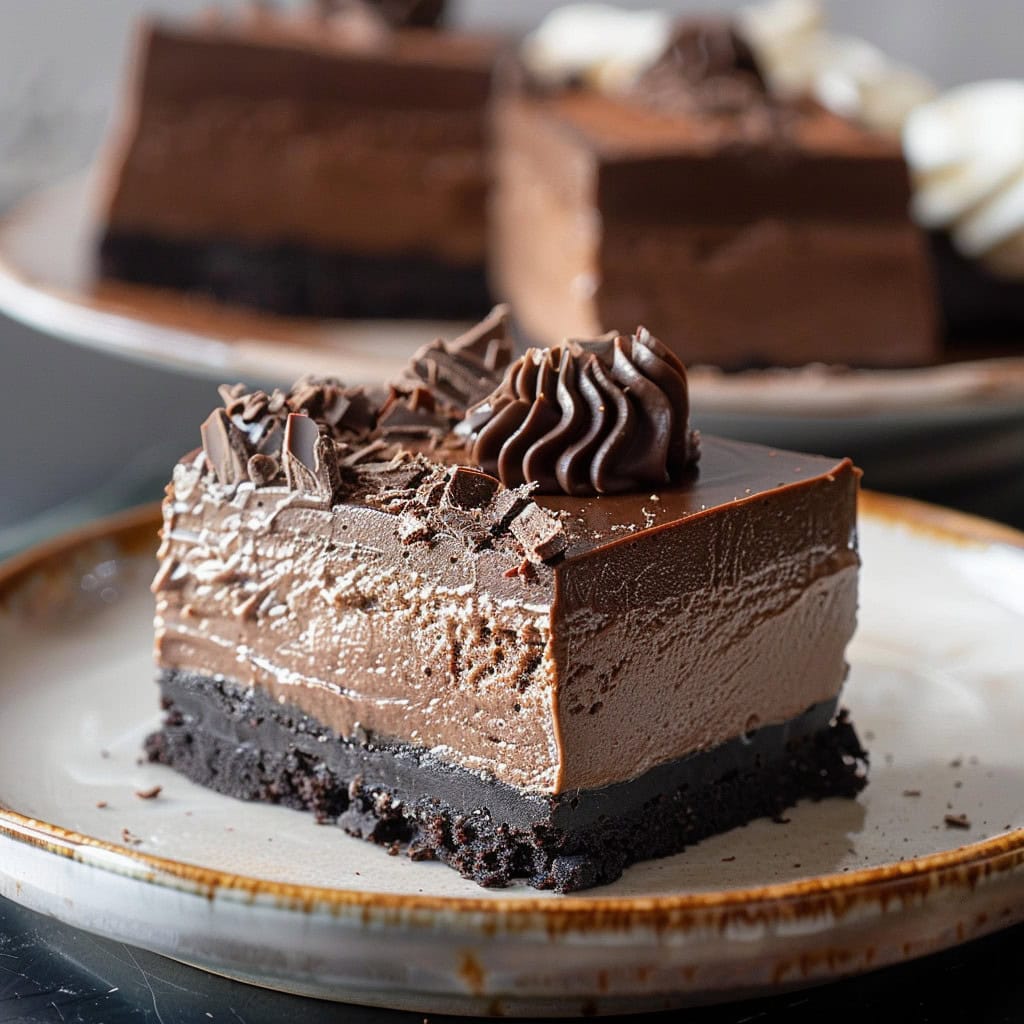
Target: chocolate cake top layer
550, 641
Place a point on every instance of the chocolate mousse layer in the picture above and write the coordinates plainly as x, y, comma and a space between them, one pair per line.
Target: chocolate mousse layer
305, 164
423, 623
244, 744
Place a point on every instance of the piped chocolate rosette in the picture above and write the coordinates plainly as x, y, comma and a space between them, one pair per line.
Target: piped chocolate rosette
589, 417
602, 416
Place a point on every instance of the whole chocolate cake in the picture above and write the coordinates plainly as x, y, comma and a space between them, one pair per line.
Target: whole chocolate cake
328, 160
513, 615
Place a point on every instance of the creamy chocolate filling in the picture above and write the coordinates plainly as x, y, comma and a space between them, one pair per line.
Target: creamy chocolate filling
420, 627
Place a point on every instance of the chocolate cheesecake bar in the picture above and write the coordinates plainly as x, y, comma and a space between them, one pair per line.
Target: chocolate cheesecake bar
755, 230
318, 162
514, 616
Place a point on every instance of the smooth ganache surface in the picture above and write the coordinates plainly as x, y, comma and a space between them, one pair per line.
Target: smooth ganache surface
326, 548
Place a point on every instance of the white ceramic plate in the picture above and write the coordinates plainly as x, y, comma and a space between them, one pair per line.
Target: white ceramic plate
263, 894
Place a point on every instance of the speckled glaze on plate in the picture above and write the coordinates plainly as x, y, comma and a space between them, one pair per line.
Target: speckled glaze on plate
263, 894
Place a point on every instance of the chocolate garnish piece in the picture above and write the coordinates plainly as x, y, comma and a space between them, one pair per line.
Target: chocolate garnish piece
388, 13
540, 533
457, 374
469, 489
592, 417
413, 413
706, 66
263, 469
507, 505
225, 448
412, 528
328, 401
309, 460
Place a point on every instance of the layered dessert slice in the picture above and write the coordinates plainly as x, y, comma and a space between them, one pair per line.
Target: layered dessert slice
516, 616
318, 161
668, 184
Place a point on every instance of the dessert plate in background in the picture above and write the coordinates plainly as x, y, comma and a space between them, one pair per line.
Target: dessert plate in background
960, 424
48, 280
931, 854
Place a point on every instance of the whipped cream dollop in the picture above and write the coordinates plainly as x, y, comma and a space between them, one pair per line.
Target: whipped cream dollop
966, 152
848, 75
600, 45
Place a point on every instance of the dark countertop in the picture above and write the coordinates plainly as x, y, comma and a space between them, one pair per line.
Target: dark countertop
53, 974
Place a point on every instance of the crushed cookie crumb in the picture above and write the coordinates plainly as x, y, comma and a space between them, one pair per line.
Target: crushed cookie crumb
149, 794
101, 804
911, 792
129, 837
957, 821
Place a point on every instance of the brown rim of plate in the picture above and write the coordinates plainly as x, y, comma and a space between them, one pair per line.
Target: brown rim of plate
134, 531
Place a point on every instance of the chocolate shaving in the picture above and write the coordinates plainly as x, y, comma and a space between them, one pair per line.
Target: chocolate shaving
507, 505
225, 448
309, 461
457, 374
229, 392
540, 533
469, 489
263, 469
411, 528
957, 821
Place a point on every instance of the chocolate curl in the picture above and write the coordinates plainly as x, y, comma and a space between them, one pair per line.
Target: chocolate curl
309, 461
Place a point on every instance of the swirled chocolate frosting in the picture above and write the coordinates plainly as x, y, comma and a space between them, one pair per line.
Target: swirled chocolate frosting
589, 417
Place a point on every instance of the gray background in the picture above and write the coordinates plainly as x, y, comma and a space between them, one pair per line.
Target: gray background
69, 418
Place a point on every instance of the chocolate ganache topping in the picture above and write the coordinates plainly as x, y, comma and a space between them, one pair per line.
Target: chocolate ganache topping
590, 417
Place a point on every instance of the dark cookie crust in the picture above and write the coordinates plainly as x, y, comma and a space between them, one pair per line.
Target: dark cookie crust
296, 280
242, 743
